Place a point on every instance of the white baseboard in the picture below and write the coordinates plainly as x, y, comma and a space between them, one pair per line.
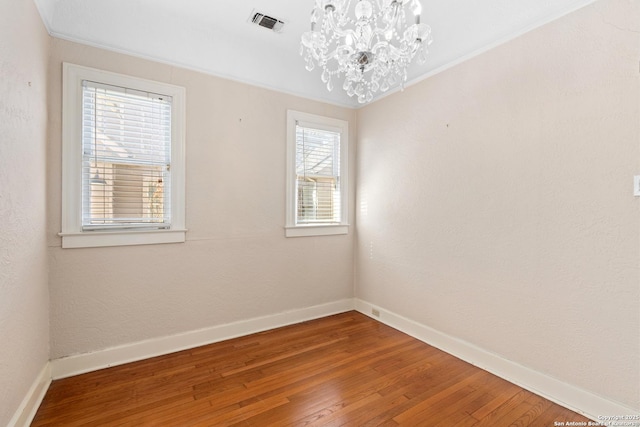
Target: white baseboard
87, 362
31, 402
567, 395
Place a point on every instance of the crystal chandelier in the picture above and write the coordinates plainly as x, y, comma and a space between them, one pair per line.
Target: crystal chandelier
371, 47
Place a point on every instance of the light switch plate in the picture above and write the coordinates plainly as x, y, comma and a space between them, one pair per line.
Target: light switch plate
636, 185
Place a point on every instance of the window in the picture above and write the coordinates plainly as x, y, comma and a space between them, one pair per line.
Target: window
316, 175
123, 160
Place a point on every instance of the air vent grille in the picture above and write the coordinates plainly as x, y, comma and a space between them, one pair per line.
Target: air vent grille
267, 21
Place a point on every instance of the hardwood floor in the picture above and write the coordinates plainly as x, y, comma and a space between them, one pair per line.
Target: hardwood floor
340, 370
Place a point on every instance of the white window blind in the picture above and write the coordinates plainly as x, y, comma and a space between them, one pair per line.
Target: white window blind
318, 198
126, 163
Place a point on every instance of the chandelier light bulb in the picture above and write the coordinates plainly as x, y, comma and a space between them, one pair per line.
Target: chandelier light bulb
368, 43
364, 9
416, 8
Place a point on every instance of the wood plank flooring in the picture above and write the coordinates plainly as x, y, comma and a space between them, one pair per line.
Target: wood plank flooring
342, 370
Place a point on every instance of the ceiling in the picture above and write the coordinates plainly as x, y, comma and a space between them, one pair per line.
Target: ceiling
215, 36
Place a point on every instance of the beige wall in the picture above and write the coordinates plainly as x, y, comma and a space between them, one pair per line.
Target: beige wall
495, 201
236, 263
24, 316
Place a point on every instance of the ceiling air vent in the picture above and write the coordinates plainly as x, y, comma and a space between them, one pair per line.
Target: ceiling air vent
266, 21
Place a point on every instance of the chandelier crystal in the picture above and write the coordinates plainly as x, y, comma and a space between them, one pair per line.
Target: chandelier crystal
370, 47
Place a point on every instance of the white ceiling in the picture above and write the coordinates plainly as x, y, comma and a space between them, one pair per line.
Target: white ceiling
215, 37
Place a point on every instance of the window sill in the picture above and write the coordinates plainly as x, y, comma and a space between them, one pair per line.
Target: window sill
316, 230
96, 239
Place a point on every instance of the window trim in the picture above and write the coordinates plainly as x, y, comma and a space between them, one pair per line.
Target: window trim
299, 230
72, 234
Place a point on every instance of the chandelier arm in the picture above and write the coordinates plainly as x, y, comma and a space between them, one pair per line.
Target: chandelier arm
396, 54
378, 45
390, 24
349, 32
381, 31
332, 55
396, 5
330, 14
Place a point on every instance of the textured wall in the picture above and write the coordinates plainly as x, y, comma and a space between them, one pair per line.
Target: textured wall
495, 201
236, 263
24, 324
